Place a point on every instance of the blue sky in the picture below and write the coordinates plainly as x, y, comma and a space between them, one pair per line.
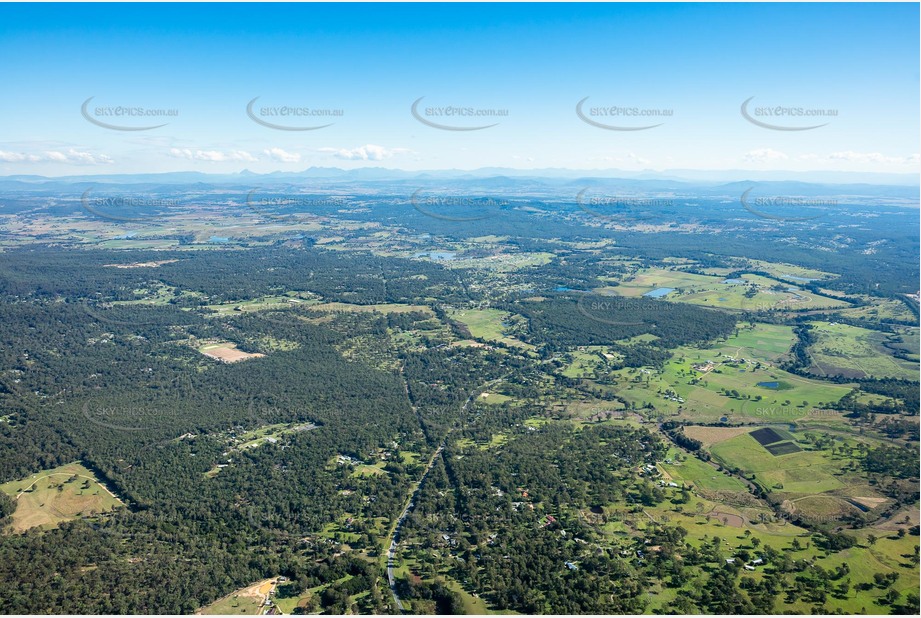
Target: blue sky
692, 64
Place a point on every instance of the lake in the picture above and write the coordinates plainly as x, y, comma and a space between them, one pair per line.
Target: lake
798, 278
436, 255
659, 292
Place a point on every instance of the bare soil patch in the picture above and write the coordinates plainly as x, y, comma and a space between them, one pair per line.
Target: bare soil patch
709, 436
227, 353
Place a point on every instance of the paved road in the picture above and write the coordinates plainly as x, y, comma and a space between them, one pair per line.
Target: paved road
395, 536
411, 502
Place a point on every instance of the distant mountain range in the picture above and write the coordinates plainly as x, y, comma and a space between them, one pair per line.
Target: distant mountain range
550, 181
382, 173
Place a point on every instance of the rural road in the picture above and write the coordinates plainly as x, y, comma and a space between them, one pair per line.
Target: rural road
411, 502
716, 466
394, 537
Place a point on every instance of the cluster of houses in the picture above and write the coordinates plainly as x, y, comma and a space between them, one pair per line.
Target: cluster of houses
651, 470
268, 607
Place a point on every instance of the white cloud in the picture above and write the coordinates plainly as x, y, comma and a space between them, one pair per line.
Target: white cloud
632, 156
72, 156
280, 155
14, 157
368, 152
215, 156
760, 155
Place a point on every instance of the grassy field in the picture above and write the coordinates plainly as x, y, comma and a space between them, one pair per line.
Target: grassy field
379, 308
266, 303
50, 497
586, 361
267, 433
811, 472
488, 325
880, 310
493, 398
707, 384
717, 291
246, 601
763, 342
817, 484
708, 436
769, 296
700, 474
888, 554
472, 605
649, 279
855, 352
789, 271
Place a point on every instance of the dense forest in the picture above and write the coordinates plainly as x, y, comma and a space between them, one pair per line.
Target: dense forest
102, 363
113, 387
564, 321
